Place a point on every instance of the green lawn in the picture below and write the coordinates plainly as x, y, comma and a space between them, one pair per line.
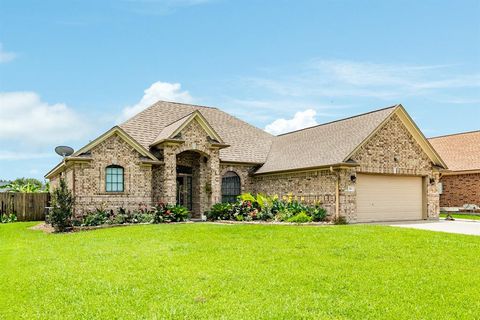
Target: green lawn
461, 216
238, 272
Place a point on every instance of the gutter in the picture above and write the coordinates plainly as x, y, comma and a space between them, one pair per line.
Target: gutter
459, 172
341, 165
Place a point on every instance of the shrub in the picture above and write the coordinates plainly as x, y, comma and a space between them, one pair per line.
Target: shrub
170, 213
61, 212
244, 211
340, 220
142, 217
220, 211
8, 218
96, 218
284, 215
265, 215
300, 218
101, 216
318, 213
263, 207
119, 219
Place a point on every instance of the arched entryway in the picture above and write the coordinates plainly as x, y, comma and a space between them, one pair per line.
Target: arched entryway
192, 180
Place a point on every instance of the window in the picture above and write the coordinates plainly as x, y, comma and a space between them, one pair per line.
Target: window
230, 187
114, 179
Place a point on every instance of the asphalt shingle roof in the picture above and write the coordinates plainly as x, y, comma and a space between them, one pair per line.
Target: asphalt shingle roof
322, 145
325, 144
247, 143
461, 152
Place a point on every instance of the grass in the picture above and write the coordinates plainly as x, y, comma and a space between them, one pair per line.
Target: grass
210, 271
461, 216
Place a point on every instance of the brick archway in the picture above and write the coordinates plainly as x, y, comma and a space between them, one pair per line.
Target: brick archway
205, 176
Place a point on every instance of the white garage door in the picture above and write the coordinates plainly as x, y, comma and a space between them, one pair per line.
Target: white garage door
388, 198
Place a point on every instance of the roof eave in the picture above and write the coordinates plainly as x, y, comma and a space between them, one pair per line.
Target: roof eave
220, 145
340, 165
166, 141
459, 172
63, 163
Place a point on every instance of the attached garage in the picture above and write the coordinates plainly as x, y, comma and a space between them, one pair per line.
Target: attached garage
389, 198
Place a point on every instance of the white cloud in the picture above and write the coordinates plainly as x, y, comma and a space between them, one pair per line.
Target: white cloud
300, 120
25, 118
343, 78
157, 91
6, 56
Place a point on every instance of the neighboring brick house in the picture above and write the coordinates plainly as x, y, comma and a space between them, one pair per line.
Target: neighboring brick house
461, 152
376, 166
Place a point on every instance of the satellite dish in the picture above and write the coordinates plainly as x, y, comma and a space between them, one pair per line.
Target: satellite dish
64, 151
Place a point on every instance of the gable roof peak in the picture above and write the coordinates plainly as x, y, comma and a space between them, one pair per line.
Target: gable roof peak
173, 129
394, 107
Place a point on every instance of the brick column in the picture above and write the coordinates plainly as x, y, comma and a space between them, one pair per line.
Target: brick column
433, 197
169, 176
347, 194
215, 179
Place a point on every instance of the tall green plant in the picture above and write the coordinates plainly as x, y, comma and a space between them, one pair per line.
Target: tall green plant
62, 204
25, 188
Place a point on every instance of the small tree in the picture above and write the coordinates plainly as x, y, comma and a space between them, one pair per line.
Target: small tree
62, 203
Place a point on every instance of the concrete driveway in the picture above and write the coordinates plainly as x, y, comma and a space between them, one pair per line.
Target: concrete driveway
458, 226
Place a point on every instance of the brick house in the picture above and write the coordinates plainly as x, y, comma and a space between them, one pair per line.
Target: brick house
461, 184
376, 166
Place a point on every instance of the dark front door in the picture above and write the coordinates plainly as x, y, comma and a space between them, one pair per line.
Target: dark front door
184, 191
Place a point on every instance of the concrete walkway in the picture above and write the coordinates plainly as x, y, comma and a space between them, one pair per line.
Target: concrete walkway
459, 226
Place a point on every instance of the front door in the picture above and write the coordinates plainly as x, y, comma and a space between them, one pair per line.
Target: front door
184, 191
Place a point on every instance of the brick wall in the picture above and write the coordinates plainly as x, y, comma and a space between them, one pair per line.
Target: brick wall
393, 141
460, 189
87, 179
393, 150
312, 185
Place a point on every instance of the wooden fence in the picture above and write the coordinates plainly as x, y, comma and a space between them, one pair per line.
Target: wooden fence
27, 206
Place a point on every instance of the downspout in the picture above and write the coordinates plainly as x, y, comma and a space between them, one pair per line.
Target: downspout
337, 193
337, 197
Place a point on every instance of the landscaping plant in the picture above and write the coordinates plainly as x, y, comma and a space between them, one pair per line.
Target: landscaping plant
8, 218
61, 213
301, 217
249, 207
170, 213
26, 185
95, 218
122, 216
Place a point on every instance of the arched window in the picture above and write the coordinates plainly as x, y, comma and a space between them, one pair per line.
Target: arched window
230, 187
114, 179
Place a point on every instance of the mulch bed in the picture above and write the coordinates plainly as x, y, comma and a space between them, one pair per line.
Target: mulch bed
47, 228
43, 227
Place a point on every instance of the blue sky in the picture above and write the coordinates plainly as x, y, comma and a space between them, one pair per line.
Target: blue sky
70, 70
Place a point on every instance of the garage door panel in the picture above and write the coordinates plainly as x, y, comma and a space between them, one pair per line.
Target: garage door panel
387, 198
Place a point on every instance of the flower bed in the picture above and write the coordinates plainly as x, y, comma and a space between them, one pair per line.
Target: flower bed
161, 213
268, 208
